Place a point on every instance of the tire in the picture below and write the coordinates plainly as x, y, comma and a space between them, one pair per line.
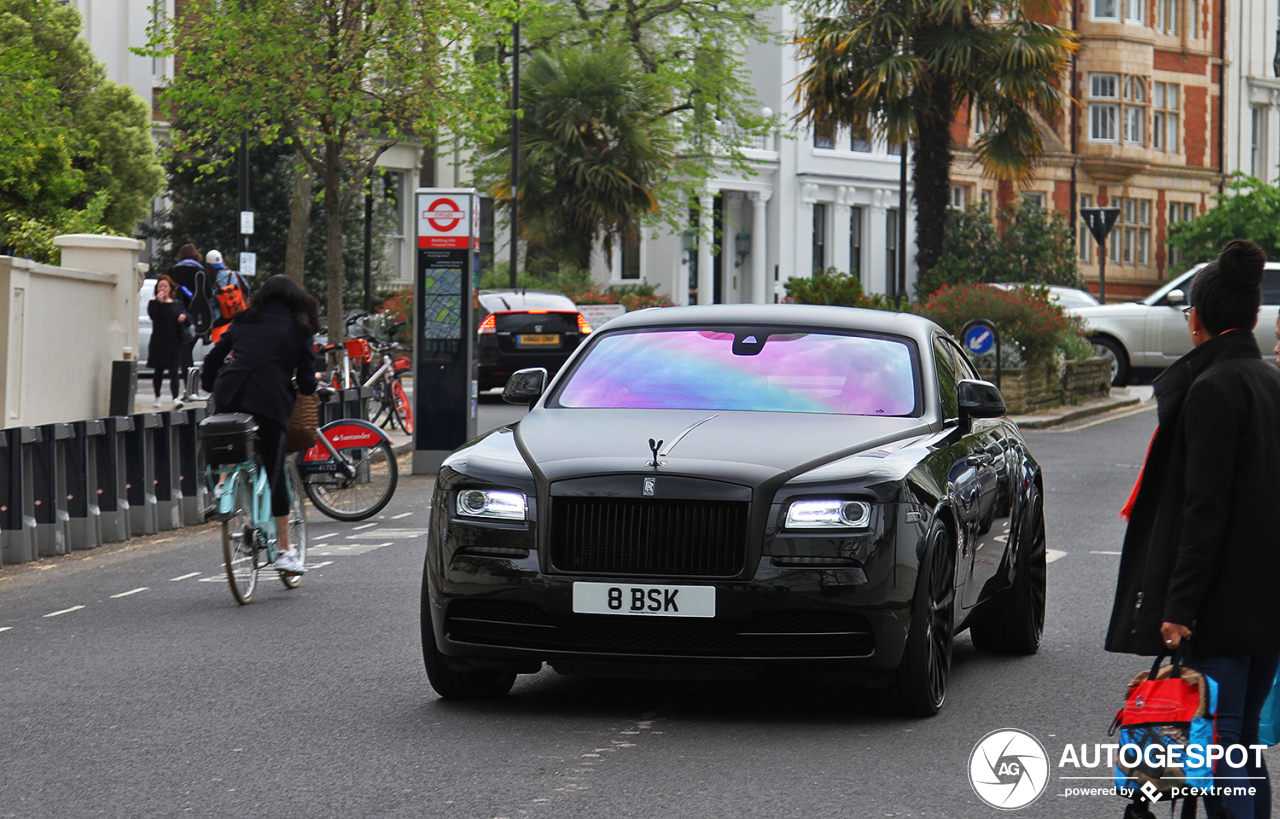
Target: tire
378, 407
1113, 351
297, 521
240, 548
919, 686
401, 406
1013, 622
451, 684
363, 494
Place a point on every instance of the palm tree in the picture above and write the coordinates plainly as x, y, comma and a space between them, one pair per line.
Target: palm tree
594, 148
904, 69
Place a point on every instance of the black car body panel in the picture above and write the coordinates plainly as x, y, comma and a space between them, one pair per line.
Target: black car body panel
532, 328
708, 509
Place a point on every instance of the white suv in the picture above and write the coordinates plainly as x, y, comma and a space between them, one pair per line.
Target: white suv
1153, 334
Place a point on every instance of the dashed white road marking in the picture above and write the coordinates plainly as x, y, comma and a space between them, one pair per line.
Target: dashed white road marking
131, 591
64, 611
335, 549
1104, 553
401, 515
319, 565
322, 537
6, 628
395, 533
1051, 555
187, 576
363, 526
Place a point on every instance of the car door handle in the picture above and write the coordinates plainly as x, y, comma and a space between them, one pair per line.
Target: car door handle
978, 459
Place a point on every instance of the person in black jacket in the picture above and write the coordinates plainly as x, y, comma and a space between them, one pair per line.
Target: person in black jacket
264, 348
164, 350
1201, 558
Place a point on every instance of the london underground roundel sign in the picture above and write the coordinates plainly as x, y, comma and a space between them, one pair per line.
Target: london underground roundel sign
445, 222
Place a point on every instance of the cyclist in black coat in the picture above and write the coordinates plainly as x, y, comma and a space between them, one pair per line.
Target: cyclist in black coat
264, 348
1201, 558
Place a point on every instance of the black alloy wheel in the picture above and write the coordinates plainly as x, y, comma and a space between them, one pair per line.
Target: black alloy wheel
1114, 352
920, 683
1013, 621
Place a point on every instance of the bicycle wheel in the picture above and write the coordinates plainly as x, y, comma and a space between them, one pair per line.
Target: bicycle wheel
297, 521
364, 481
379, 405
240, 547
404, 412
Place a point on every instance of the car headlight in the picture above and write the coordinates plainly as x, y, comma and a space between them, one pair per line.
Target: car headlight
828, 514
494, 504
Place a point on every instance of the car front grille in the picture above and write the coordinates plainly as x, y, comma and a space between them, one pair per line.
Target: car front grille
648, 537
767, 634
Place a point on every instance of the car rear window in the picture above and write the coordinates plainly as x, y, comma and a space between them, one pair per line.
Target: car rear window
745, 369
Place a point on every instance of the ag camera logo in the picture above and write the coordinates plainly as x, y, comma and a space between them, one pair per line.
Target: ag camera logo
1008, 769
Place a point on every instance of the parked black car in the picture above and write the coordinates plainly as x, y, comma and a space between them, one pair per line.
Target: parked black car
525, 328
722, 490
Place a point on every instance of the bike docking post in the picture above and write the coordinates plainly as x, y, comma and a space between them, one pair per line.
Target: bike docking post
4, 490
169, 470
140, 469
363, 394
18, 521
85, 526
191, 468
49, 469
350, 404
113, 480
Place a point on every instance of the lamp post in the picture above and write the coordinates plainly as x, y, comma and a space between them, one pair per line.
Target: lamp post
515, 146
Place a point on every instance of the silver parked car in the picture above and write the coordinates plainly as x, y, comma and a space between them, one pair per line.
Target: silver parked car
1152, 333
1064, 297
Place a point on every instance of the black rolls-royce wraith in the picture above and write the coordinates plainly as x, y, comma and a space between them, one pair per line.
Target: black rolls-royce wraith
724, 490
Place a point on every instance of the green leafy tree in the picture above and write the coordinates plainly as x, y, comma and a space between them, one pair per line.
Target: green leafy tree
904, 69
1250, 211
1035, 247
594, 149
340, 81
76, 151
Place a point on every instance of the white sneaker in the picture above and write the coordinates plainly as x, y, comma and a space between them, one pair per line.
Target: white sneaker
177, 403
289, 563
156, 403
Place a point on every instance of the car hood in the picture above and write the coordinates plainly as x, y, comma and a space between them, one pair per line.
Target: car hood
743, 447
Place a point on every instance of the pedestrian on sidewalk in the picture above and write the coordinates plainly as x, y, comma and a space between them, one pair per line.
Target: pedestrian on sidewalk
1200, 559
164, 351
190, 277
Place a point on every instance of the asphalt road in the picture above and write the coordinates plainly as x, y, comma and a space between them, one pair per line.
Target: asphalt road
132, 685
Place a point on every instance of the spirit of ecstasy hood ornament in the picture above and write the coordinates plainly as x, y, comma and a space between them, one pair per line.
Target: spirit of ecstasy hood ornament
654, 446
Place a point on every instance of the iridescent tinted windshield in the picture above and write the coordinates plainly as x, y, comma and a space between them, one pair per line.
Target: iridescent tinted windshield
742, 370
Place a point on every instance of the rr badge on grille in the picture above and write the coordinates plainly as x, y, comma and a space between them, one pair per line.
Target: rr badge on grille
649, 484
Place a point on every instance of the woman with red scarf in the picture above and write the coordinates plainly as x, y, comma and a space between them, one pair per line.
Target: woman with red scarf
1201, 559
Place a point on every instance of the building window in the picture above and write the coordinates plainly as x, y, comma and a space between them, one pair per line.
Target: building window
1258, 137
824, 135
1167, 16
1104, 116
957, 197
1179, 212
631, 258
1106, 10
1033, 198
1088, 248
893, 149
985, 198
1131, 237
1135, 111
1164, 122
1135, 11
855, 239
819, 237
860, 141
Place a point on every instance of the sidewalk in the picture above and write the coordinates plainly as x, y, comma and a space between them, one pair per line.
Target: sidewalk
1120, 398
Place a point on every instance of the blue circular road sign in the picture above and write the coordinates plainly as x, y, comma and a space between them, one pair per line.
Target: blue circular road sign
979, 339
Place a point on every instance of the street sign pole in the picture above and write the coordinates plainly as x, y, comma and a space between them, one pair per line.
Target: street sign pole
1100, 221
445, 392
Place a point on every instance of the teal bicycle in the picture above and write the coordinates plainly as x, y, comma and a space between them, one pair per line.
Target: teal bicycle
243, 503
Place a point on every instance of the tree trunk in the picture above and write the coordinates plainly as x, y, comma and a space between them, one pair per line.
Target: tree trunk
301, 199
932, 175
333, 271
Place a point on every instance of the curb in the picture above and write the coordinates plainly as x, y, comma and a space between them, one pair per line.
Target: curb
1032, 422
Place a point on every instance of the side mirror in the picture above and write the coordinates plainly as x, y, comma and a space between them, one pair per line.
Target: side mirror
1176, 298
979, 399
525, 386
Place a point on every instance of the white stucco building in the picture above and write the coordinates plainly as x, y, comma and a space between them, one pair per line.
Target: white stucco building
1252, 128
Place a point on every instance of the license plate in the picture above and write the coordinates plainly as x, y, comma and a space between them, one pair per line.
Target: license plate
535, 339
652, 601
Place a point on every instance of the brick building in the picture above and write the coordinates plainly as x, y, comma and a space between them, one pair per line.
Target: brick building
1146, 136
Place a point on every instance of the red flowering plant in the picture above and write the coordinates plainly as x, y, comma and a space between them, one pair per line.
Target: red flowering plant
1024, 316
395, 309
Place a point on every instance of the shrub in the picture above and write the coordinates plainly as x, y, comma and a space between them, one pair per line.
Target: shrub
578, 286
1025, 316
831, 286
